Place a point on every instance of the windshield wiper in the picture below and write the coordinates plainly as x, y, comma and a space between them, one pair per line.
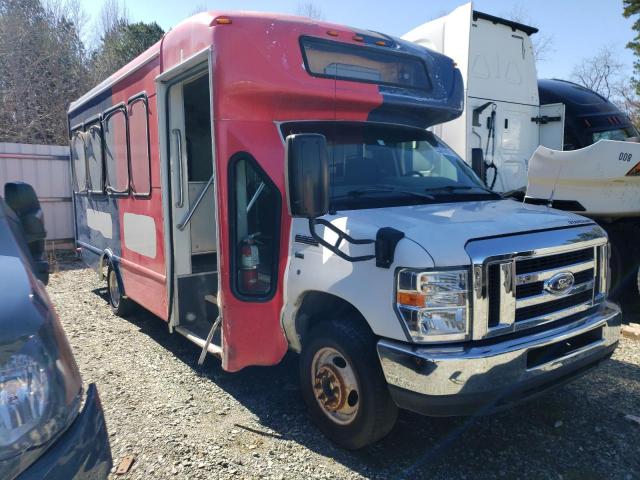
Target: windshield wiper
382, 189
454, 188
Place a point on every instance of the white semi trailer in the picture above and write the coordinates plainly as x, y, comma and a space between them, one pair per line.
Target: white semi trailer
564, 145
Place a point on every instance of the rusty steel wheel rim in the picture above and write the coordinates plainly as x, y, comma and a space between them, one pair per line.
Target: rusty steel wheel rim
335, 386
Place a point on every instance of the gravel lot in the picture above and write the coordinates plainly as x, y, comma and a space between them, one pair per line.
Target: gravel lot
181, 421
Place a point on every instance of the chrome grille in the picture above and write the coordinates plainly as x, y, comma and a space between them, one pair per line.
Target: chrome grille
509, 288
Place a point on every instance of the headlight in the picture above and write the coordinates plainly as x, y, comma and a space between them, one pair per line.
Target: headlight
434, 305
35, 404
24, 395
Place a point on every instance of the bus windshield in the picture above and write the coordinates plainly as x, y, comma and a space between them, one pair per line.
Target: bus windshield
620, 134
375, 166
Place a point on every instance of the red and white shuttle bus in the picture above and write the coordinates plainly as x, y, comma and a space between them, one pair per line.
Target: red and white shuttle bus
265, 183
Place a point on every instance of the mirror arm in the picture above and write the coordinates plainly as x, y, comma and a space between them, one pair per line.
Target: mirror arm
335, 248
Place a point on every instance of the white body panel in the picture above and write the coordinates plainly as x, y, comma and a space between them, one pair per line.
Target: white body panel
435, 236
550, 135
498, 68
140, 234
100, 222
594, 176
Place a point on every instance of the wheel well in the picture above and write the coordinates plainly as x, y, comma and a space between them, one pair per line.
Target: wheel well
106, 259
319, 307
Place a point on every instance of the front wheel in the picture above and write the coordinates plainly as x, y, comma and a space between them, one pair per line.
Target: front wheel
343, 385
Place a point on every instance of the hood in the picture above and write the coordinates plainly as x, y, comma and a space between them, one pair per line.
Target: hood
443, 230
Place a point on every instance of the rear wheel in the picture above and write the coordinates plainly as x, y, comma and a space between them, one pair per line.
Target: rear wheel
343, 385
120, 305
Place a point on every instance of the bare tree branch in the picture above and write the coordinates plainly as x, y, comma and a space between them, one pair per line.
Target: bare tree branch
599, 73
199, 8
309, 9
543, 44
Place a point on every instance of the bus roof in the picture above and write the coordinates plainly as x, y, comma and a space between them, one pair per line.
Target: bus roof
207, 18
441, 101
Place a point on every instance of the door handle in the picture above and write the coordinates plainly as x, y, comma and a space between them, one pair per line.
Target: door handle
178, 135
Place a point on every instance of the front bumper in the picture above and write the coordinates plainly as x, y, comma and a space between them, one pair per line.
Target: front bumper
82, 452
481, 378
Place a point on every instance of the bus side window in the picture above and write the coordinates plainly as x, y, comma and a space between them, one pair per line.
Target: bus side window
78, 162
139, 147
115, 152
255, 230
93, 149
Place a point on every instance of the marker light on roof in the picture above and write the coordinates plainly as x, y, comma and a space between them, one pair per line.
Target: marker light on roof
223, 21
358, 38
332, 33
382, 43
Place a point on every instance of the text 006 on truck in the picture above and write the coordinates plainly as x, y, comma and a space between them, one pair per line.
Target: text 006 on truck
265, 183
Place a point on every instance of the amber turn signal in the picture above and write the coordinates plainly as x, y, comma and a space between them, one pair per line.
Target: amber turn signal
410, 299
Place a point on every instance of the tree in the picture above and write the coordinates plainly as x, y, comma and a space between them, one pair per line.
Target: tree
600, 73
121, 41
111, 16
628, 101
606, 75
632, 8
543, 44
44, 64
309, 9
200, 8
42, 61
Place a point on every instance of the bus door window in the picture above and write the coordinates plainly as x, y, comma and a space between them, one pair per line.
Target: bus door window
255, 215
197, 129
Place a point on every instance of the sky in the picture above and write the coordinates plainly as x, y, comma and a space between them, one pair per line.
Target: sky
577, 28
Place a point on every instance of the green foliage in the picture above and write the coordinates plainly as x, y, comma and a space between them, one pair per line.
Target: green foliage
43, 67
121, 44
631, 9
44, 64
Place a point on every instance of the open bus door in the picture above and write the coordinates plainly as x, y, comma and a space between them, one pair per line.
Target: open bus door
193, 259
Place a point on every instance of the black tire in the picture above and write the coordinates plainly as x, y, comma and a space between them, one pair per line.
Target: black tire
120, 305
624, 275
376, 412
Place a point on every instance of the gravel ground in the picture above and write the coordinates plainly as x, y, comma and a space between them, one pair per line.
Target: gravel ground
181, 421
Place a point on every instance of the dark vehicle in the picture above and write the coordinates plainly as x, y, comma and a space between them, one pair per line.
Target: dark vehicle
44, 432
589, 117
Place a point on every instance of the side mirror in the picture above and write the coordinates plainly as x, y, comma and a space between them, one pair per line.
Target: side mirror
477, 163
22, 199
307, 175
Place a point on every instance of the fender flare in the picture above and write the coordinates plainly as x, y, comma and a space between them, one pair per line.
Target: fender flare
112, 260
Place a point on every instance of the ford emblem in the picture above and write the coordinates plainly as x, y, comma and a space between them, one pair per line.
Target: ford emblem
560, 284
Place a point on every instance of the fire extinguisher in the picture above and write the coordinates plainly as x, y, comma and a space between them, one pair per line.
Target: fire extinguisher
249, 262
